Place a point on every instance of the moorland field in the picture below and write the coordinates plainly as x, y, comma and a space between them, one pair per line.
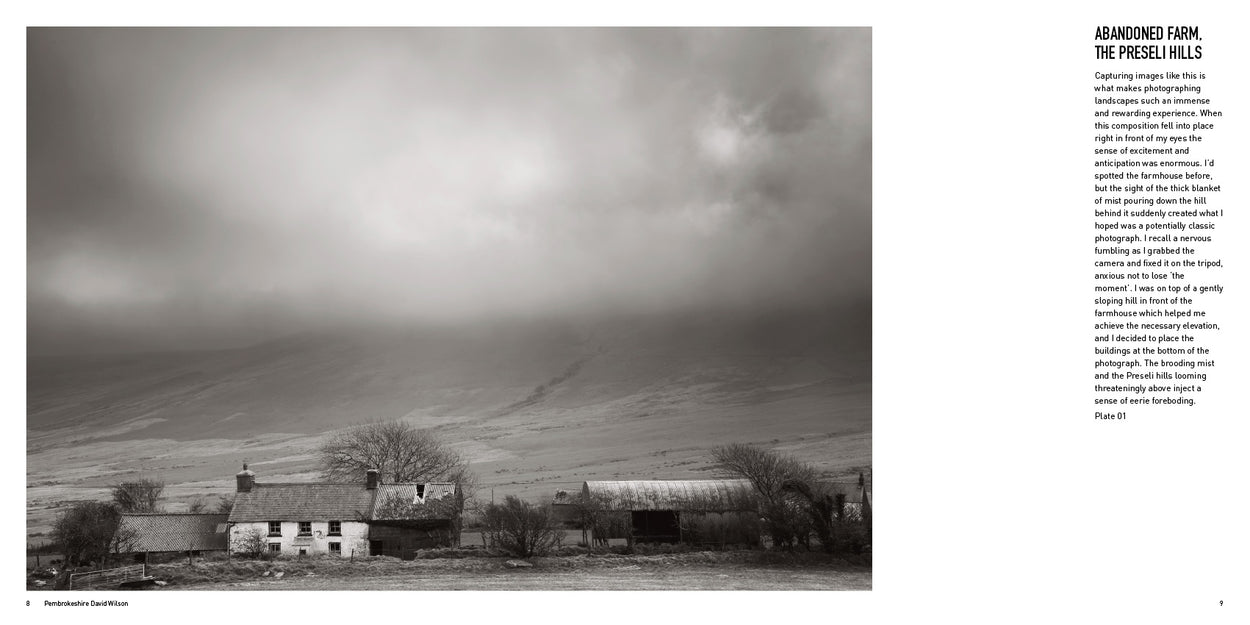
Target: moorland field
535, 406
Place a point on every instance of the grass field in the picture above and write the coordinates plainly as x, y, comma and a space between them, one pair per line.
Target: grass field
741, 570
687, 571
625, 578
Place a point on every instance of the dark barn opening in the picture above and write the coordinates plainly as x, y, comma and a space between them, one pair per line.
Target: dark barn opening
402, 539
701, 512
656, 526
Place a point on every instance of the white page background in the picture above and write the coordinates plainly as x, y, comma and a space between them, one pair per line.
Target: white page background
997, 496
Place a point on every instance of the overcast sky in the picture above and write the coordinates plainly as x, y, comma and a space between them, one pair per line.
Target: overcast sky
226, 185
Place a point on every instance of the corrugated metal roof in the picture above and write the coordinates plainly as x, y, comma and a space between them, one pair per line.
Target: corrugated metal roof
400, 501
302, 502
711, 495
174, 532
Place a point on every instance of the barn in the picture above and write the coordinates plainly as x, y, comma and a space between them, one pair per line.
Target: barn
411, 516
720, 512
165, 533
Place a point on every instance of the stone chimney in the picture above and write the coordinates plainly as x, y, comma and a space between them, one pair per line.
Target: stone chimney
245, 479
371, 479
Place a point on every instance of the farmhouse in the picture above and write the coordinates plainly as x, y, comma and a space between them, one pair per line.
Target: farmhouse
369, 518
190, 533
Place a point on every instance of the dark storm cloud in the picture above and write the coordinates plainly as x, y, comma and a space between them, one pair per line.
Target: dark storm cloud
229, 184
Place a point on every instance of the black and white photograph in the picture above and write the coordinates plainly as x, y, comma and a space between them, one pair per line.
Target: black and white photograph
499, 313
413, 309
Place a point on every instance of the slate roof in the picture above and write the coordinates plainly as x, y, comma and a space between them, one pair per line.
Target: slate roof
406, 496
853, 491
175, 532
707, 495
302, 502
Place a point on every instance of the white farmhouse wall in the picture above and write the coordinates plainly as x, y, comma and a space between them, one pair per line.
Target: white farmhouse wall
355, 535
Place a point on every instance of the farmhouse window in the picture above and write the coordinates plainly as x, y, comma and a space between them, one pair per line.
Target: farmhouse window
275, 528
275, 547
336, 529
336, 549
305, 528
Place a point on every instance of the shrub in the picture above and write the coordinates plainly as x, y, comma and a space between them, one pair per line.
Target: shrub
87, 532
521, 529
721, 529
851, 537
250, 543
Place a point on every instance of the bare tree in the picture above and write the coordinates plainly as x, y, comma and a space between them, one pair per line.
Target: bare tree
767, 470
198, 506
522, 529
124, 540
138, 496
225, 503
788, 516
399, 450
820, 508
599, 520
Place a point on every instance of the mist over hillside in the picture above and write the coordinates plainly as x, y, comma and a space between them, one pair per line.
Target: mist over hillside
535, 405
319, 381
572, 253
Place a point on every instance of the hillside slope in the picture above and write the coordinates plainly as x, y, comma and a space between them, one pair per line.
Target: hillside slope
536, 406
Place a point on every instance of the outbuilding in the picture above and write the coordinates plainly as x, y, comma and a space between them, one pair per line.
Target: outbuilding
170, 533
409, 517
694, 511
